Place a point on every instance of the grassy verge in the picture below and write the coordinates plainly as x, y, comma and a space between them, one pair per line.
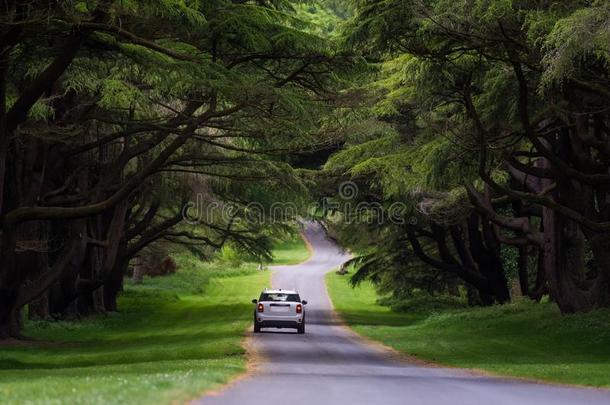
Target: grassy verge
174, 337
523, 339
291, 251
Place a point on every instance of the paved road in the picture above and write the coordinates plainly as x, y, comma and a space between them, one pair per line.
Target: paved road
328, 365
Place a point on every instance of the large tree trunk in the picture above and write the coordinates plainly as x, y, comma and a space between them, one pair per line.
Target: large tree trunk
114, 285
10, 317
114, 269
11, 324
9, 285
485, 250
89, 282
564, 244
541, 287
600, 279
564, 263
40, 308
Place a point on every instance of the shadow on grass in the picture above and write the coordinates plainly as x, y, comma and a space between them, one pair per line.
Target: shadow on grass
175, 331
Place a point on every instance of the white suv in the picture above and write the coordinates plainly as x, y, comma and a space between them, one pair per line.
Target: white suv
279, 309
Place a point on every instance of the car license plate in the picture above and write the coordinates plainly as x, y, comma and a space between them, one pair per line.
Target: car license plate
278, 308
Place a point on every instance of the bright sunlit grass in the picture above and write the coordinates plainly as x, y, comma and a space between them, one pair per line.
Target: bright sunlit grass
173, 338
522, 339
291, 251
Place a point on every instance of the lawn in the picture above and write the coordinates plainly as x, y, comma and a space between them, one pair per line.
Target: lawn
522, 339
173, 338
291, 251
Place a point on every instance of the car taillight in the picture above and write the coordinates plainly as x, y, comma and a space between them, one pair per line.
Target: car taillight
261, 308
299, 308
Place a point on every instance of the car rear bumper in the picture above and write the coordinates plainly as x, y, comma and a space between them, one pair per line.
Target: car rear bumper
275, 321
279, 324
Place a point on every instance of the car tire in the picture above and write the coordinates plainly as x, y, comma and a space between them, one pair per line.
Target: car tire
257, 327
301, 328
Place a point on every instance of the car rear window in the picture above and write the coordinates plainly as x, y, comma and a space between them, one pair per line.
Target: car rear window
280, 297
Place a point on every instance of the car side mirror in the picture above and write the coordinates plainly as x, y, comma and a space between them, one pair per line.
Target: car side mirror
304, 302
254, 301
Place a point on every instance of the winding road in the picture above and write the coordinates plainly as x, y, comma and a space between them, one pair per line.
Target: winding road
331, 365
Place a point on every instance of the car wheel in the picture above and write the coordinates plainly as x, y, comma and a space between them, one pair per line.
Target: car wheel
257, 326
301, 328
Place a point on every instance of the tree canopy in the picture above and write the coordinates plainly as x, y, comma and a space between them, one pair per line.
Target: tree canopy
492, 127
113, 115
473, 135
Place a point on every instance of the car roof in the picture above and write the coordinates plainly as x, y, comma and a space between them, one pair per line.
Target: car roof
279, 291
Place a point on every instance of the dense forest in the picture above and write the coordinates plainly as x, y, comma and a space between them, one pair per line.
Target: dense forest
489, 121
115, 114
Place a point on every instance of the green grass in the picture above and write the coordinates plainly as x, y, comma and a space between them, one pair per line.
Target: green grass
291, 251
173, 338
522, 339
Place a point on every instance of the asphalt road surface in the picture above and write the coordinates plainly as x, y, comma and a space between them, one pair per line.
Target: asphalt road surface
329, 365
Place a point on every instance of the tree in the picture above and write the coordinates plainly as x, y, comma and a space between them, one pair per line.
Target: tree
518, 91
107, 107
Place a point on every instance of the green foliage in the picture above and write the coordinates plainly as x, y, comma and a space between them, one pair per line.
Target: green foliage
231, 256
447, 111
578, 39
320, 18
148, 59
